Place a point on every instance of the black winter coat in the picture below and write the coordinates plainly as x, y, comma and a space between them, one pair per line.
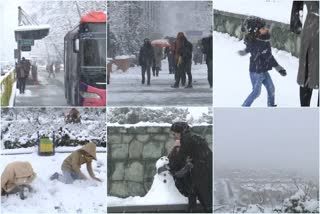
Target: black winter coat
308, 74
146, 55
197, 184
261, 59
207, 48
185, 51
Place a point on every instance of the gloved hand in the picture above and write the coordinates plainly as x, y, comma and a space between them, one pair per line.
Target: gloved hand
179, 61
242, 52
182, 172
281, 70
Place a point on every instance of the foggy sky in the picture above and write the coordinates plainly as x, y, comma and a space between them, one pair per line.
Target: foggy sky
267, 138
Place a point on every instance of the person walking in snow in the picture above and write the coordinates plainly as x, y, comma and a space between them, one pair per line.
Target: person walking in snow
207, 50
51, 71
16, 177
22, 72
34, 73
146, 60
183, 61
190, 163
308, 73
72, 164
158, 56
257, 41
169, 52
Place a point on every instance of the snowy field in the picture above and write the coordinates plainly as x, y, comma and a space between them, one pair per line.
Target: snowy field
54, 196
232, 82
277, 10
125, 89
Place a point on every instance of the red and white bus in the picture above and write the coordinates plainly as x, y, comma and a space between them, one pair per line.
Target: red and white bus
85, 61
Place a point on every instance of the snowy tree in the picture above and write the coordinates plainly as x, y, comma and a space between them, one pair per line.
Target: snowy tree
62, 16
135, 115
127, 26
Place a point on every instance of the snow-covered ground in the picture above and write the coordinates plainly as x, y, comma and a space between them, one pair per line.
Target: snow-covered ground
49, 91
53, 196
125, 89
277, 10
232, 84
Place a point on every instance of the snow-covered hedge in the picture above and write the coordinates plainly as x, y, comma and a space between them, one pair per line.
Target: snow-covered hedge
21, 127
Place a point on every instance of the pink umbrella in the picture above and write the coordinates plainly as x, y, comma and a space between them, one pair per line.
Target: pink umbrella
162, 43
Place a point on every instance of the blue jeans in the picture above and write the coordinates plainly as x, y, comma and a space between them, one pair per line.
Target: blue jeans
68, 176
257, 79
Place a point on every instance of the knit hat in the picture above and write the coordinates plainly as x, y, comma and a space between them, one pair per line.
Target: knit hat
252, 24
180, 127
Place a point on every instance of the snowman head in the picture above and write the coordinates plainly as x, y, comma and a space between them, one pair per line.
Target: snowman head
163, 161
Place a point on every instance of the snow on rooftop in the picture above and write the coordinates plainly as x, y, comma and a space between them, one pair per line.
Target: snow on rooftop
32, 27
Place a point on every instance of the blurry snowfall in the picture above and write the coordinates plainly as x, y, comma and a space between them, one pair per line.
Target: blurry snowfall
231, 78
54, 196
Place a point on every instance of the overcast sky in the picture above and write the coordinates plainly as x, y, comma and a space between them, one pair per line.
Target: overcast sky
8, 22
277, 138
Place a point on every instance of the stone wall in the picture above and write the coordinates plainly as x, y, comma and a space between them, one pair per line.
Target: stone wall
133, 152
281, 36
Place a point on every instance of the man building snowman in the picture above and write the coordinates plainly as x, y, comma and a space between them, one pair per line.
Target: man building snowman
190, 163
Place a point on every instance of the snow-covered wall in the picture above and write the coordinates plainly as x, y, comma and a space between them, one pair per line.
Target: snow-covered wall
133, 152
281, 36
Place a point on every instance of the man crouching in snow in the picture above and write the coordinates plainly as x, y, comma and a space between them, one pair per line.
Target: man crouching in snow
16, 178
190, 163
72, 164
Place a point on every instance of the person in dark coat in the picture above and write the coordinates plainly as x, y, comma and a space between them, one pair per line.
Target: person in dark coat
22, 72
198, 53
207, 50
34, 73
190, 163
257, 41
51, 71
146, 60
183, 61
308, 73
169, 53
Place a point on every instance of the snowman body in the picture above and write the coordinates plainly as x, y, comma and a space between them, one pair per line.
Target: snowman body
163, 189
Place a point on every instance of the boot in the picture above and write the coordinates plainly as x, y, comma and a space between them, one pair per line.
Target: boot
189, 86
54, 176
175, 86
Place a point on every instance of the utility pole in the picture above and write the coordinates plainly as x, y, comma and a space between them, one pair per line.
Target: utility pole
79, 12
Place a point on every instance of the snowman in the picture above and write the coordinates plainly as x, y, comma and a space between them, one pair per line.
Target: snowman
163, 189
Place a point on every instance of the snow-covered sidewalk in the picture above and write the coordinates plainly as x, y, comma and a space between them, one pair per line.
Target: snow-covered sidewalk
125, 89
231, 81
54, 196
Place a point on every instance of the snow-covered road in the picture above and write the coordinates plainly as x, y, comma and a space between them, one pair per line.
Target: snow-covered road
53, 196
231, 81
125, 89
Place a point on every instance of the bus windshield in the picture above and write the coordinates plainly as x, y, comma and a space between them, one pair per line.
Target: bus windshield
94, 52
